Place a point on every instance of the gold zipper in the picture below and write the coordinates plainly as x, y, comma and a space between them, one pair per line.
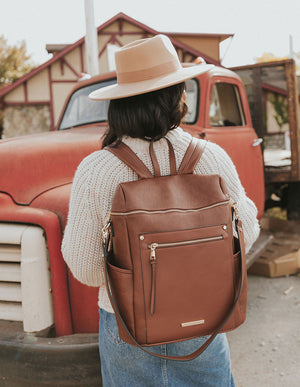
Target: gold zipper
167, 211
154, 246
153, 277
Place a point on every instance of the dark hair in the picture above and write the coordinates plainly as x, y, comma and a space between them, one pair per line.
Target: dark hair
147, 116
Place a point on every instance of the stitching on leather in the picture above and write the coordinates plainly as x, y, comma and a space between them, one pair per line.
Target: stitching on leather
134, 323
141, 264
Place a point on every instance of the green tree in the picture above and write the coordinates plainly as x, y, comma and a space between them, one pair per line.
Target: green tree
14, 63
281, 110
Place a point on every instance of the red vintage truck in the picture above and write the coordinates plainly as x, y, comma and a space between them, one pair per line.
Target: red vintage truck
48, 320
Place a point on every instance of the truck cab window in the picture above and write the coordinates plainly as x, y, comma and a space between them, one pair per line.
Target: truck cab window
225, 107
192, 100
81, 110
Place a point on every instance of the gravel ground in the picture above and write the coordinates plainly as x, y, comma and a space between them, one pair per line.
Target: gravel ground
265, 350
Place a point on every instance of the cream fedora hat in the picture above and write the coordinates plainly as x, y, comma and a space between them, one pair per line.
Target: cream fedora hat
147, 65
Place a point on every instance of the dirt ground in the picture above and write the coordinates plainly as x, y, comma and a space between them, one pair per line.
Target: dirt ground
265, 350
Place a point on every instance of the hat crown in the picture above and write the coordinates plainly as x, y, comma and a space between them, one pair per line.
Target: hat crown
153, 57
147, 65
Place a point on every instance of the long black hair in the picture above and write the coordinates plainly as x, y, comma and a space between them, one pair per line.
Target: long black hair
147, 116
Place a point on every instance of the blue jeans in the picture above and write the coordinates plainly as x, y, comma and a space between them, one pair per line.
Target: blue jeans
123, 365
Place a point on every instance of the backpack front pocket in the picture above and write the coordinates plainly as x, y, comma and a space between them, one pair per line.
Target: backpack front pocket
157, 246
182, 270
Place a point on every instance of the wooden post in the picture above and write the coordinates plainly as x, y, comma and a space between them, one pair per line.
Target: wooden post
258, 116
293, 109
91, 40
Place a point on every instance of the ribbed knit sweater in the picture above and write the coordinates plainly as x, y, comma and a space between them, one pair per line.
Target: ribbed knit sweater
94, 185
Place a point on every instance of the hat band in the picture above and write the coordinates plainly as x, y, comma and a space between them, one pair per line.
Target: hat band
149, 73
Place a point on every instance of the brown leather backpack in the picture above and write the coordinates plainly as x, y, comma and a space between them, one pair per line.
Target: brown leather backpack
174, 270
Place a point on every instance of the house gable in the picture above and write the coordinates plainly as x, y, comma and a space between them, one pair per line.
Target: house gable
50, 83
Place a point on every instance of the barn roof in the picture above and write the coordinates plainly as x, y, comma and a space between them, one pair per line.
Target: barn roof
120, 17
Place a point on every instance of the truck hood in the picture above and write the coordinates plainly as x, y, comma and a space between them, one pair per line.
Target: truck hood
55, 200
33, 164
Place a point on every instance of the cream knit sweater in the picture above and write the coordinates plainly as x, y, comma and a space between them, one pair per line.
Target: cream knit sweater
95, 182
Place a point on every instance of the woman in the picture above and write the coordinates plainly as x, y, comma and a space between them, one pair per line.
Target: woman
147, 103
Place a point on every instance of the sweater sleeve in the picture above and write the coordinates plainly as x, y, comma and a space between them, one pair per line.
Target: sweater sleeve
81, 246
216, 160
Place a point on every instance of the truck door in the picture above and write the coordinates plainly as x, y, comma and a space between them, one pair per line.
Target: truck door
227, 122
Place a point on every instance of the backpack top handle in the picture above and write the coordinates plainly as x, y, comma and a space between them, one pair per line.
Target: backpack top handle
172, 159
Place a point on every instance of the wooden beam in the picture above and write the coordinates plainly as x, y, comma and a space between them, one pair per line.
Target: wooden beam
293, 109
52, 126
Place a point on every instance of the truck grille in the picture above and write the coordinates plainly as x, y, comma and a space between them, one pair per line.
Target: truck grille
25, 286
10, 282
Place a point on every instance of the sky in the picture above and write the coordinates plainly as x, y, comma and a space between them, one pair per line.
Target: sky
259, 26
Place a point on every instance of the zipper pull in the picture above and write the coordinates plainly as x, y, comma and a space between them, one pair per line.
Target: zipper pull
152, 252
153, 246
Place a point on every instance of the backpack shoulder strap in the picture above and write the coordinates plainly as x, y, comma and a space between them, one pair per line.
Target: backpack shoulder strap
125, 154
191, 157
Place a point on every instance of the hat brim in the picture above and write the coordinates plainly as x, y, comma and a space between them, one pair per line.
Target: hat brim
124, 90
